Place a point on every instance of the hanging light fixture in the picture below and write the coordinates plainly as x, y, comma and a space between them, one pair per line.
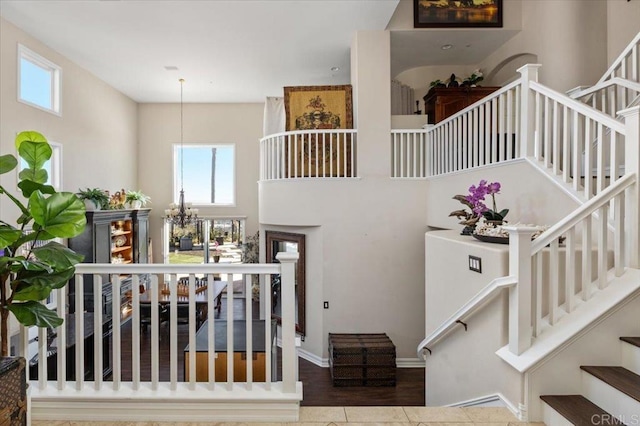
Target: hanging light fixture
181, 214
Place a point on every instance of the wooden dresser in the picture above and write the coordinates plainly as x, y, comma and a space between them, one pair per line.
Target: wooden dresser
442, 102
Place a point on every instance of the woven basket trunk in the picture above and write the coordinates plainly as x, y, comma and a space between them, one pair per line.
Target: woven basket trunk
13, 392
362, 360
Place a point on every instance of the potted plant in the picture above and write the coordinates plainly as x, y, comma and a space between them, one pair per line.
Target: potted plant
29, 272
94, 198
136, 199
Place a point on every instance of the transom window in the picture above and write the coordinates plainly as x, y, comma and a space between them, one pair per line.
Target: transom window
209, 174
39, 81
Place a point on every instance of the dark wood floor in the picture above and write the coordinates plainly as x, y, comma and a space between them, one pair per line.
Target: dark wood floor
318, 389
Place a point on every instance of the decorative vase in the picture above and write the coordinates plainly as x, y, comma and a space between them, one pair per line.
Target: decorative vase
135, 204
91, 205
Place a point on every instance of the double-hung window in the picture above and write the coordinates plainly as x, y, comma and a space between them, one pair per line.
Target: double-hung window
38, 81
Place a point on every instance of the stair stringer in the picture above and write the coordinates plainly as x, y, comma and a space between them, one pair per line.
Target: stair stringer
559, 372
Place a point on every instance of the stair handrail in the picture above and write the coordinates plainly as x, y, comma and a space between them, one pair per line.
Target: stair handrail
498, 284
603, 85
468, 309
581, 107
582, 212
633, 44
490, 97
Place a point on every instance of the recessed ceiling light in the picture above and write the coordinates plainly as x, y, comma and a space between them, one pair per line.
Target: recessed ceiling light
446, 46
171, 68
335, 68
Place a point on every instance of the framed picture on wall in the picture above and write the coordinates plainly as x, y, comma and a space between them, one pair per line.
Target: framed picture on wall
459, 13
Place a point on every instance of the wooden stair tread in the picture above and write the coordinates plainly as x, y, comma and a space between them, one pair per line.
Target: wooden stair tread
579, 410
620, 378
632, 340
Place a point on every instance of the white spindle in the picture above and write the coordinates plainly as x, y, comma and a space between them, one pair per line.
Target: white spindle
618, 235
249, 332
495, 134
267, 331
173, 331
211, 349
79, 326
587, 276
155, 326
98, 332
556, 138
135, 332
537, 294
588, 146
115, 318
61, 367
566, 146
230, 325
570, 271
554, 282
603, 246
576, 151
192, 331
42, 355
547, 132
331, 155
509, 125
600, 171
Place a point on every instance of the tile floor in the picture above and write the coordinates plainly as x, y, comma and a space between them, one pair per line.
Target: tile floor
366, 416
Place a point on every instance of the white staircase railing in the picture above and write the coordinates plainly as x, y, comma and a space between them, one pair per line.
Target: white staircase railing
627, 65
562, 129
541, 295
153, 398
610, 96
308, 154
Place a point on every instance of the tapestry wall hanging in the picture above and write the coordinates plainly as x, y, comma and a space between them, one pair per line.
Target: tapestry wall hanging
319, 108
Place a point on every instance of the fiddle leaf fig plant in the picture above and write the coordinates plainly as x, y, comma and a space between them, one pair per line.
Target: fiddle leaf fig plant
29, 270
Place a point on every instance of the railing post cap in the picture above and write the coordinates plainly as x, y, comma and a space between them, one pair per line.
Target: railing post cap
287, 256
518, 229
528, 66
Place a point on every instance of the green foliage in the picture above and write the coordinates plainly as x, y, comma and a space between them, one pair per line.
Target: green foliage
97, 195
137, 196
28, 273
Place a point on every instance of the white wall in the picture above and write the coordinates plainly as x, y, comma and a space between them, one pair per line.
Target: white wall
568, 37
464, 366
371, 265
97, 128
529, 195
159, 129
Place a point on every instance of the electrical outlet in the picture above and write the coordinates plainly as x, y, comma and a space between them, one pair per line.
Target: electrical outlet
475, 264
326, 304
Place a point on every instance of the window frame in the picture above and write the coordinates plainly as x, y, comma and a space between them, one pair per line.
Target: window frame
176, 169
55, 72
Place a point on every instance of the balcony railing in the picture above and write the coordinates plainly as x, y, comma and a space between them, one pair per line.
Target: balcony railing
146, 355
309, 154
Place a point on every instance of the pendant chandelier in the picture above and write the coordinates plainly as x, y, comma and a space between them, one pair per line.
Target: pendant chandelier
181, 214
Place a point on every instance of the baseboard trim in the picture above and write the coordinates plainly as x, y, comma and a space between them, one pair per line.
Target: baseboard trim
410, 363
482, 400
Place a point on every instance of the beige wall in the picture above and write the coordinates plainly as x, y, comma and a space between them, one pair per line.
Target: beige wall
568, 38
97, 128
159, 129
623, 23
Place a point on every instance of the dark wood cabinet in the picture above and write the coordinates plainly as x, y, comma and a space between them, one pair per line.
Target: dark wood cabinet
443, 102
111, 236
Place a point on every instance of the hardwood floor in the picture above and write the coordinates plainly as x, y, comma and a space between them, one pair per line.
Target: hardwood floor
317, 385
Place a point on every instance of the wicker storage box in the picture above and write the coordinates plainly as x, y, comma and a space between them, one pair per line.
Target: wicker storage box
13, 392
362, 360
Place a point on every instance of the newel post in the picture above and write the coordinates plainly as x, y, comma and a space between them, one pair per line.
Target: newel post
631, 118
520, 311
288, 303
529, 73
